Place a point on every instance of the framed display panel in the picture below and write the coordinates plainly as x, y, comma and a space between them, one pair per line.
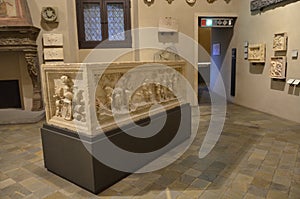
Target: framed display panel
280, 42
278, 67
216, 49
257, 53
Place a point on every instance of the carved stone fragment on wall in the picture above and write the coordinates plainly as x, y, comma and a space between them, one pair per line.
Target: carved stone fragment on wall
278, 67
257, 5
257, 53
280, 42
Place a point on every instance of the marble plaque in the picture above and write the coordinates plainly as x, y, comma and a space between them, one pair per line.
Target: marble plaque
53, 39
53, 54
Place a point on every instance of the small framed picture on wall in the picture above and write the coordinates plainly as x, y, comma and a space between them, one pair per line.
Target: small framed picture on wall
216, 49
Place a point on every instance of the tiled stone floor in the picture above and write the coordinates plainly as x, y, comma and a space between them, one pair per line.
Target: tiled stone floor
257, 156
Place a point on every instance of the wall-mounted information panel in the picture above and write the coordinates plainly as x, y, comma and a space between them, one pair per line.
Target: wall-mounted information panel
216, 22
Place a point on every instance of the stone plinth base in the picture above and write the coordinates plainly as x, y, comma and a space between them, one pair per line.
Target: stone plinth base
67, 156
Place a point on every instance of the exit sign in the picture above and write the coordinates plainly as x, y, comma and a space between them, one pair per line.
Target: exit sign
223, 22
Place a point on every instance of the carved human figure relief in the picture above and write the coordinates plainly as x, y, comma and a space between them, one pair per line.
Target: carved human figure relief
108, 96
79, 106
118, 99
146, 92
158, 92
136, 92
64, 98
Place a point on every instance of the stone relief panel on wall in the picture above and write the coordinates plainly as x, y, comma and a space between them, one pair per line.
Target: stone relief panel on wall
280, 42
258, 5
278, 67
257, 53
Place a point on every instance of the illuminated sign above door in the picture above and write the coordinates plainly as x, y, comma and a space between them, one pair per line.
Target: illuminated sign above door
216, 22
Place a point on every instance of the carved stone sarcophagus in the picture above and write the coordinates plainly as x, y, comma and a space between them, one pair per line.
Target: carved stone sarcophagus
92, 98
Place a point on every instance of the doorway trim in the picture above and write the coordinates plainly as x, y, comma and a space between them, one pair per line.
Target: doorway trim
196, 24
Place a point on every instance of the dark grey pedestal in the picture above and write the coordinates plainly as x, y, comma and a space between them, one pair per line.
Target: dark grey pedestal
67, 156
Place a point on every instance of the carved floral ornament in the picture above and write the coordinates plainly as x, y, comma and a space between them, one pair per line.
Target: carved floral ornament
190, 2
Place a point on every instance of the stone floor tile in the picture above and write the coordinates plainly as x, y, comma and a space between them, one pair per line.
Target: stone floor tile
33, 184
18, 174
3, 176
6, 183
15, 191
43, 192
276, 195
261, 182
209, 194
257, 191
56, 195
251, 196
193, 172
191, 193
31, 196
279, 187
200, 184
186, 179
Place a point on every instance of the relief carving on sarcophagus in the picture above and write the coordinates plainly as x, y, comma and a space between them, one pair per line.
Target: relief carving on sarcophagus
69, 100
90, 98
134, 93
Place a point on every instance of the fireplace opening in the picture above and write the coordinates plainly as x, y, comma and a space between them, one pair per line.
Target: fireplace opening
10, 94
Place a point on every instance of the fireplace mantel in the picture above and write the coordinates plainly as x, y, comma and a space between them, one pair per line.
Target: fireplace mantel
23, 39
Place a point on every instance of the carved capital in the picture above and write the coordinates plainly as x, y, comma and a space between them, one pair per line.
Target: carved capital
32, 62
33, 70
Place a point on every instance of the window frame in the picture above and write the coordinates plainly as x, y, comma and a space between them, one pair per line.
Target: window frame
105, 43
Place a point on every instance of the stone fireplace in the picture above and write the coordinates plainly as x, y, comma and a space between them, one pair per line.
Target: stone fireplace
18, 36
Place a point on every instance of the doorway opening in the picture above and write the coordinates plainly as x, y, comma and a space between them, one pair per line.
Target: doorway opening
214, 37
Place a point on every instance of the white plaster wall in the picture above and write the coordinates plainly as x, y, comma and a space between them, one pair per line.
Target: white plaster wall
254, 87
186, 16
141, 15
